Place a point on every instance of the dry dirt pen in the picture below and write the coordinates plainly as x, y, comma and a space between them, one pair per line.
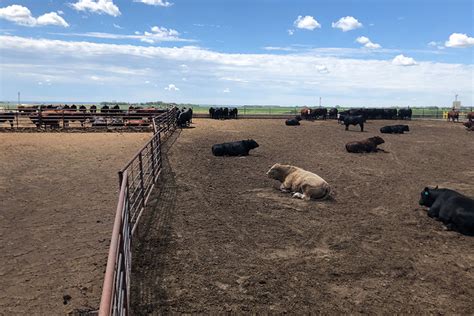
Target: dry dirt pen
58, 196
221, 237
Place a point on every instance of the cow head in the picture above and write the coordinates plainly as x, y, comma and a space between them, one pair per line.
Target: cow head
427, 198
275, 172
405, 128
377, 140
251, 144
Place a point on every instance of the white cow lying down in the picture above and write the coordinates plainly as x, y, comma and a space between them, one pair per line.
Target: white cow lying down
303, 184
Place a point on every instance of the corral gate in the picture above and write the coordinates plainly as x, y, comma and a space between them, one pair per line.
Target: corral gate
137, 180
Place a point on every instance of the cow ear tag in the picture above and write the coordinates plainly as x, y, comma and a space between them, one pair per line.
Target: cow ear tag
427, 193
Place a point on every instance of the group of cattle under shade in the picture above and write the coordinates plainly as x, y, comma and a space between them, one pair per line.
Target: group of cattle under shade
55, 116
368, 113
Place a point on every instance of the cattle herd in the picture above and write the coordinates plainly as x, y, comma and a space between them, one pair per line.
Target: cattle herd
455, 210
223, 113
55, 115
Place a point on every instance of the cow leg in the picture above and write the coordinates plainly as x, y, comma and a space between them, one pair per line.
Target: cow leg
283, 188
347, 127
362, 127
298, 195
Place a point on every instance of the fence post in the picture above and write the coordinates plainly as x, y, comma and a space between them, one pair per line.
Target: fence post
153, 159
142, 182
120, 175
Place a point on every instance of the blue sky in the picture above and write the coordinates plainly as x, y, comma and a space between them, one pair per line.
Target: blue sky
356, 53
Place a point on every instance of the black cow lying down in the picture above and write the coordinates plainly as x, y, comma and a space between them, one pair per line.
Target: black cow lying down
394, 129
365, 146
292, 122
455, 210
240, 148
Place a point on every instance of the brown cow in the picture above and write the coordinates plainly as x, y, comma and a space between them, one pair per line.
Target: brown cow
470, 116
453, 115
365, 146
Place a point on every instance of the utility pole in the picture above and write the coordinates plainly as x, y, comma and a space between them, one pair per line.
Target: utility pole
19, 98
319, 101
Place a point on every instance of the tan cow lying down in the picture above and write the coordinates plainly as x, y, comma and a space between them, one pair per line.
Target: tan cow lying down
303, 184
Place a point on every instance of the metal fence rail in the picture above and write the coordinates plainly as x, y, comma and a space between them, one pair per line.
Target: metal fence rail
137, 180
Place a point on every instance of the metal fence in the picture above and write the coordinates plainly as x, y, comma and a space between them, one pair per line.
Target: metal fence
44, 118
137, 180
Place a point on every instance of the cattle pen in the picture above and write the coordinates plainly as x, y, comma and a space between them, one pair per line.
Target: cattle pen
229, 241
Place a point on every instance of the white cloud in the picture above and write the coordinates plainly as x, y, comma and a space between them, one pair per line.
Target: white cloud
459, 40
367, 42
226, 90
234, 79
118, 26
22, 15
307, 22
172, 87
276, 48
95, 78
347, 23
157, 34
291, 32
292, 75
322, 69
160, 3
433, 43
401, 60
51, 18
97, 6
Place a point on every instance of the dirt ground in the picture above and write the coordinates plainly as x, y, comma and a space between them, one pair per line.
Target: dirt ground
221, 237
58, 194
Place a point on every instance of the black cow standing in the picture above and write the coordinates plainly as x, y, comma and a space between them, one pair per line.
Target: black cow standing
354, 120
184, 117
455, 210
394, 129
240, 148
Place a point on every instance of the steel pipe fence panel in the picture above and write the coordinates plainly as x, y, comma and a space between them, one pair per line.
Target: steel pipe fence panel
137, 180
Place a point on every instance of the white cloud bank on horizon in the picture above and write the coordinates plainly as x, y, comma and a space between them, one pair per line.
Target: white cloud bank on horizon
97, 6
160, 3
459, 40
347, 23
22, 16
306, 23
293, 78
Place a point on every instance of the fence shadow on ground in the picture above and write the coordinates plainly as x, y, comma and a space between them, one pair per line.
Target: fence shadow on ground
153, 242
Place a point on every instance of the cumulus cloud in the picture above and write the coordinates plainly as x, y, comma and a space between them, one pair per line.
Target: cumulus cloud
226, 90
160, 3
401, 60
459, 40
347, 23
367, 42
22, 15
172, 87
306, 22
291, 32
97, 6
